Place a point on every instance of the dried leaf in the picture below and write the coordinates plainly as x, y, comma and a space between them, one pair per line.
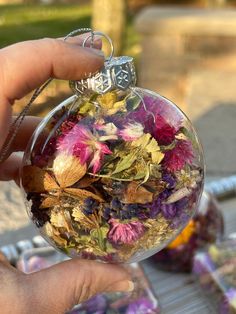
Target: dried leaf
137, 194
155, 186
86, 181
61, 219
152, 146
50, 201
68, 169
125, 163
155, 171
50, 183
100, 234
140, 174
142, 141
82, 194
147, 175
35, 179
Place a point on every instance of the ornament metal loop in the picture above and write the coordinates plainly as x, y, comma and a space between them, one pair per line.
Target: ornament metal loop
79, 31
103, 35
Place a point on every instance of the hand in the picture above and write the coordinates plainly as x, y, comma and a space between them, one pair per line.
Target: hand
23, 67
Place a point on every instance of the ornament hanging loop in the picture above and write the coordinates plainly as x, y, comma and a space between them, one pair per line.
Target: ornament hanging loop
102, 35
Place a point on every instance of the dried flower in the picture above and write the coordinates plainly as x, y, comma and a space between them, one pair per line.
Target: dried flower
169, 179
228, 303
184, 237
125, 233
68, 169
203, 264
89, 206
141, 306
96, 305
176, 158
156, 206
108, 128
83, 144
168, 210
131, 131
164, 133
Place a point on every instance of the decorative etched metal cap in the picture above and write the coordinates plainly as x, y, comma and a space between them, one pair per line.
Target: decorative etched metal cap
117, 73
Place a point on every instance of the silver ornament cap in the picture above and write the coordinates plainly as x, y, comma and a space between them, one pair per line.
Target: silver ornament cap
117, 73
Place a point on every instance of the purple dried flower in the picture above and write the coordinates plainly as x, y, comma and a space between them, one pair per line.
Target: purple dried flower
155, 208
180, 219
96, 305
89, 205
228, 301
203, 264
169, 210
181, 204
169, 179
141, 306
116, 204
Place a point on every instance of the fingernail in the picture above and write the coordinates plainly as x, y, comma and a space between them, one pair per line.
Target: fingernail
97, 52
130, 286
123, 286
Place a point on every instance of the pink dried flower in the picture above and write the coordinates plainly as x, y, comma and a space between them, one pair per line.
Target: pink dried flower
176, 158
125, 233
132, 131
82, 143
164, 133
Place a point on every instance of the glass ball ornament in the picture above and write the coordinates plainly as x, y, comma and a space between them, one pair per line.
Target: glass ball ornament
114, 172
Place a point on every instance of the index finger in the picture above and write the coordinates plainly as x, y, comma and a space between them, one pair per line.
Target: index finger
25, 66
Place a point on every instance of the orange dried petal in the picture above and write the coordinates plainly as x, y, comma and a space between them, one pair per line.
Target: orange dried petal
35, 179
82, 194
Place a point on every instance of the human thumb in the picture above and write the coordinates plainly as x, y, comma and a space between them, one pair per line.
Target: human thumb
58, 288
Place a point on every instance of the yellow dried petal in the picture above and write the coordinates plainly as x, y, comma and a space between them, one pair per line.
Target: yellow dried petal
157, 157
59, 219
152, 146
54, 234
107, 100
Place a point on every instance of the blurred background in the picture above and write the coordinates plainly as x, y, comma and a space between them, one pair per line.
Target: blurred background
184, 50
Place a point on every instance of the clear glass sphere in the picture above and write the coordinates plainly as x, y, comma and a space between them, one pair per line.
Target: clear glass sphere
113, 177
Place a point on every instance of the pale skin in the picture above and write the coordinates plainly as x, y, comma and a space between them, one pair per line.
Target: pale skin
23, 67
